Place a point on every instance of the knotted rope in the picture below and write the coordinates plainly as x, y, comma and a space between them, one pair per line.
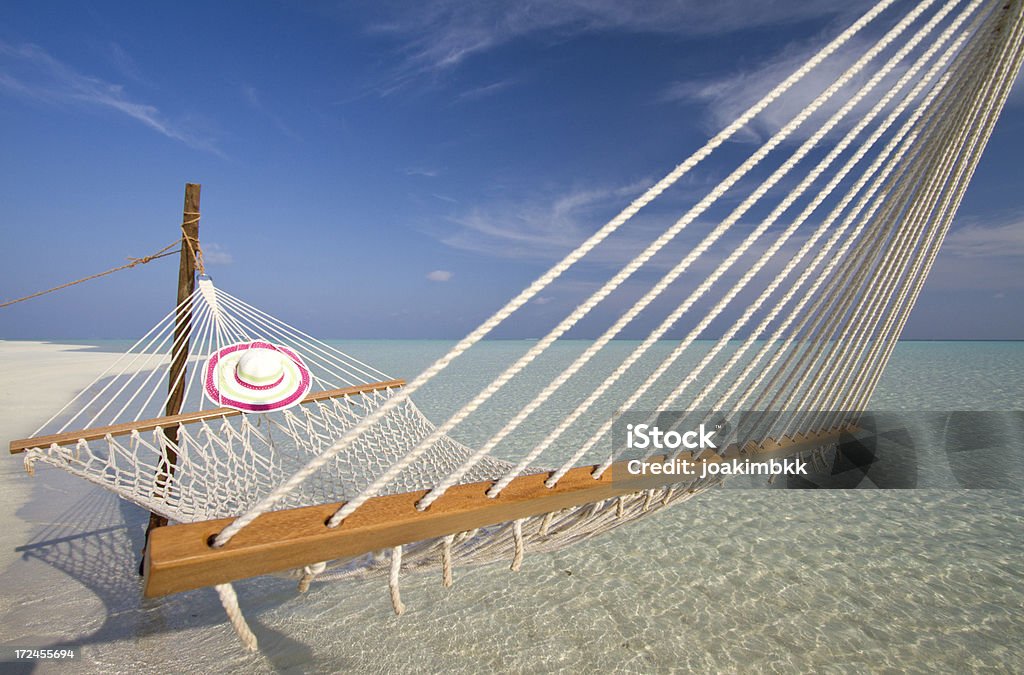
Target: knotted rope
193, 242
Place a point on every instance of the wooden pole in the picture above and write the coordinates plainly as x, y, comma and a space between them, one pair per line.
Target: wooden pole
182, 332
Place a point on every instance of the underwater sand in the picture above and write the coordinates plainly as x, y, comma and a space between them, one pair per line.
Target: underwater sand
735, 580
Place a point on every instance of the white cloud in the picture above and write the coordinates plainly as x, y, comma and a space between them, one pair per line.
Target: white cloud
982, 257
544, 229
442, 34
989, 241
123, 62
485, 90
425, 171
214, 254
255, 100
31, 72
726, 98
440, 275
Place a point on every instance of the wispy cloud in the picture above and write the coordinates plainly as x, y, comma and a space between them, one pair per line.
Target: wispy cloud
982, 256
538, 229
545, 230
485, 90
442, 34
1004, 240
123, 62
215, 254
726, 98
425, 171
31, 72
440, 275
255, 101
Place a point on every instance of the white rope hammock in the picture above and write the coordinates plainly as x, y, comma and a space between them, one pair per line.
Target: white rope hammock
802, 265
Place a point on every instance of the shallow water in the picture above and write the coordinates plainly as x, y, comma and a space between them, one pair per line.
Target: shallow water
734, 580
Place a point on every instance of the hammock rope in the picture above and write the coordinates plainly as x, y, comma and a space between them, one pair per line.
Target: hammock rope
634, 265
556, 271
843, 300
804, 261
670, 321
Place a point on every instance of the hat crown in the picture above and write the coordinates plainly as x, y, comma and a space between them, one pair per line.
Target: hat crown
259, 366
256, 376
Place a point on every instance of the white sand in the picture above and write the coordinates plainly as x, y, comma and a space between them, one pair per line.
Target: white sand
68, 548
36, 379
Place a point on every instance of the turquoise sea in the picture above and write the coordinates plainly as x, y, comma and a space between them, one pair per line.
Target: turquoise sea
924, 579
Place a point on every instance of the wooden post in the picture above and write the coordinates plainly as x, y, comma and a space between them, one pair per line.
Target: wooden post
182, 332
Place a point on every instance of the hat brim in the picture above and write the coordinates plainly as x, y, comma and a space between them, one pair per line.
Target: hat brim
223, 389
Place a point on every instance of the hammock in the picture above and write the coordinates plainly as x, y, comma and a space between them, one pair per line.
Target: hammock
844, 208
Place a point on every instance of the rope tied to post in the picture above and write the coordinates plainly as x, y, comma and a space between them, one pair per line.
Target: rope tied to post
193, 242
132, 262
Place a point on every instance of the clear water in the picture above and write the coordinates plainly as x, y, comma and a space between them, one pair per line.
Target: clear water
735, 580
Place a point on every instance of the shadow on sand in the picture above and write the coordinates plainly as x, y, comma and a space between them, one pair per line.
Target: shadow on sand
97, 542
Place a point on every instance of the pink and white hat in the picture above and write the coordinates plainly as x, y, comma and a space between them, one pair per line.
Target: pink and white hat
256, 377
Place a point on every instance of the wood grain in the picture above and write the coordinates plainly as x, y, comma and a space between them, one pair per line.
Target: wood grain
96, 433
182, 337
180, 557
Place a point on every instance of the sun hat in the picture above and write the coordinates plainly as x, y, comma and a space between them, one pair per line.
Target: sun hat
255, 377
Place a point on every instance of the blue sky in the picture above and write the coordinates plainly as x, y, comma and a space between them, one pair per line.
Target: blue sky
397, 169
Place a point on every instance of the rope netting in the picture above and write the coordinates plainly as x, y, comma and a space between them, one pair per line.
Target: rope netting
783, 288
221, 465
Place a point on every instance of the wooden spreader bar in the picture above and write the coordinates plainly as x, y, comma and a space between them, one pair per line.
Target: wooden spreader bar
180, 558
96, 433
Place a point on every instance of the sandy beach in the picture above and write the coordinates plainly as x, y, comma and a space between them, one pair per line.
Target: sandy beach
34, 376
67, 547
